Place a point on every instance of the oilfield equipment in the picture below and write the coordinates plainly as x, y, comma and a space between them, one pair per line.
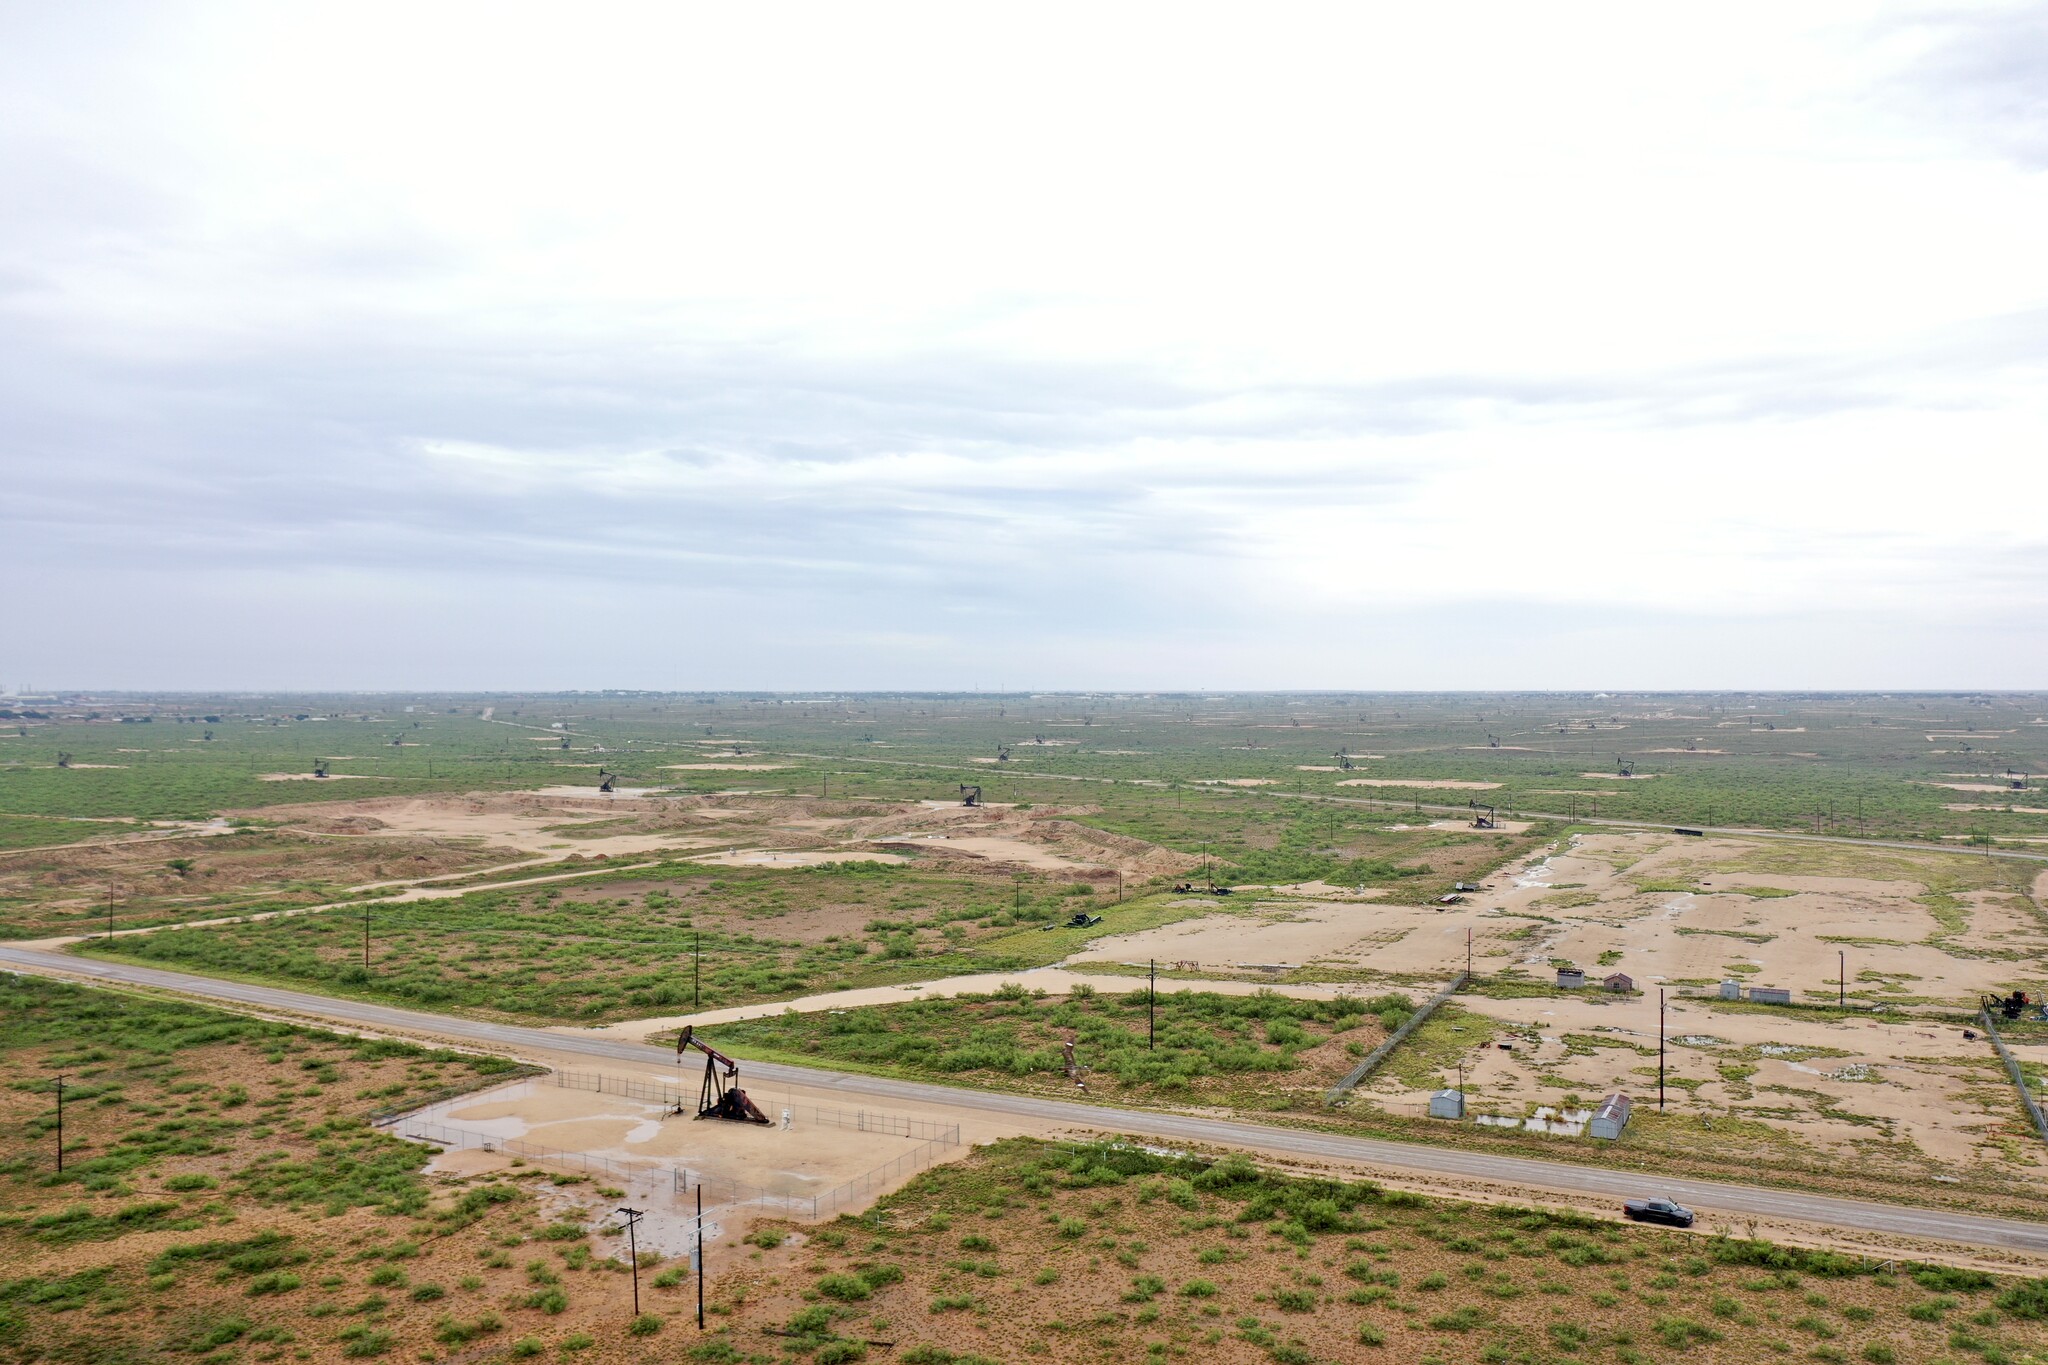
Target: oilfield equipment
63, 758
1624, 767
721, 1097
2011, 1006
969, 796
606, 781
1343, 758
319, 767
1002, 753
565, 741
1479, 821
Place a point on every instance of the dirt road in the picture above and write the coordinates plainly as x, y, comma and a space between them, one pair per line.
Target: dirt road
1035, 1113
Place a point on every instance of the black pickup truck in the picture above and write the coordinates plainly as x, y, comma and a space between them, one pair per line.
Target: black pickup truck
1666, 1211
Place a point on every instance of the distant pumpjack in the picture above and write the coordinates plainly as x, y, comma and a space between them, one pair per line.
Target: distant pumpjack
565, 742
319, 767
63, 759
1002, 753
605, 781
969, 796
1624, 767
1480, 821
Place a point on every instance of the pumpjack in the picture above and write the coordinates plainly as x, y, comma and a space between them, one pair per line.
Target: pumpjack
2011, 1006
1480, 821
319, 767
606, 780
721, 1097
969, 796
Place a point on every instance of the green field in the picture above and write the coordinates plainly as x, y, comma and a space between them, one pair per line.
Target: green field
1840, 763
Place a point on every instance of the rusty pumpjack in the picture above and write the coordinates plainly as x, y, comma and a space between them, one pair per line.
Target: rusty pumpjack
721, 1098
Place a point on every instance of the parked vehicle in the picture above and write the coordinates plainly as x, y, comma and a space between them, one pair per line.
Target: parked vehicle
1666, 1211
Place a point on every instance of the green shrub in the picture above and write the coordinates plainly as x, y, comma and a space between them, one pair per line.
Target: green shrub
2027, 1300
840, 1352
527, 1346
1877, 1353
646, 1325
1369, 1335
190, 1180
1198, 1289
1679, 1333
367, 1341
845, 1288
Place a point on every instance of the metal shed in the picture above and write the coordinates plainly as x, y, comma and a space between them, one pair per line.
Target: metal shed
1571, 978
1447, 1104
1770, 995
1611, 1117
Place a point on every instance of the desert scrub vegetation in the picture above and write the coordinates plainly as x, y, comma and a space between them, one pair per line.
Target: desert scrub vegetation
223, 1197
617, 948
1242, 1049
1163, 1256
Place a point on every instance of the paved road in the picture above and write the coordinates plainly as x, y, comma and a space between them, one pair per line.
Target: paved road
1704, 1194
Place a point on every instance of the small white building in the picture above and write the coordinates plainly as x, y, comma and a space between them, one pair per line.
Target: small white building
1571, 979
1731, 990
1770, 995
1447, 1104
1611, 1117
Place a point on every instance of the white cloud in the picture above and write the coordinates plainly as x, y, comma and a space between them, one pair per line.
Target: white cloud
1047, 327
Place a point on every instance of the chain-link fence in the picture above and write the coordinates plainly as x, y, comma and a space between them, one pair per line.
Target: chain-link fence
935, 1140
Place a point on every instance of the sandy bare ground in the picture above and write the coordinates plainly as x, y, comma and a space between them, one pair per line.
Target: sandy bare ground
1437, 783
528, 822
1920, 1083
1622, 777
1234, 782
772, 857
1685, 751
306, 777
2015, 810
1970, 787
1000, 848
1499, 826
1920, 1087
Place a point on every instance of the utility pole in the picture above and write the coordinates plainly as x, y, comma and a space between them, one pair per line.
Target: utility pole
1468, 950
696, 966
1841, 978
700, 1258
60, 1125
1119, 886
633, 1217
110, 919
366, 938
1660, 1049
1152, 1005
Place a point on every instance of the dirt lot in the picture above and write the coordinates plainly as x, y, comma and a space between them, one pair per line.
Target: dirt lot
1923, 935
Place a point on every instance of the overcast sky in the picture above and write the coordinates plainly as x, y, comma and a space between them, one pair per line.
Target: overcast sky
1376, 346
